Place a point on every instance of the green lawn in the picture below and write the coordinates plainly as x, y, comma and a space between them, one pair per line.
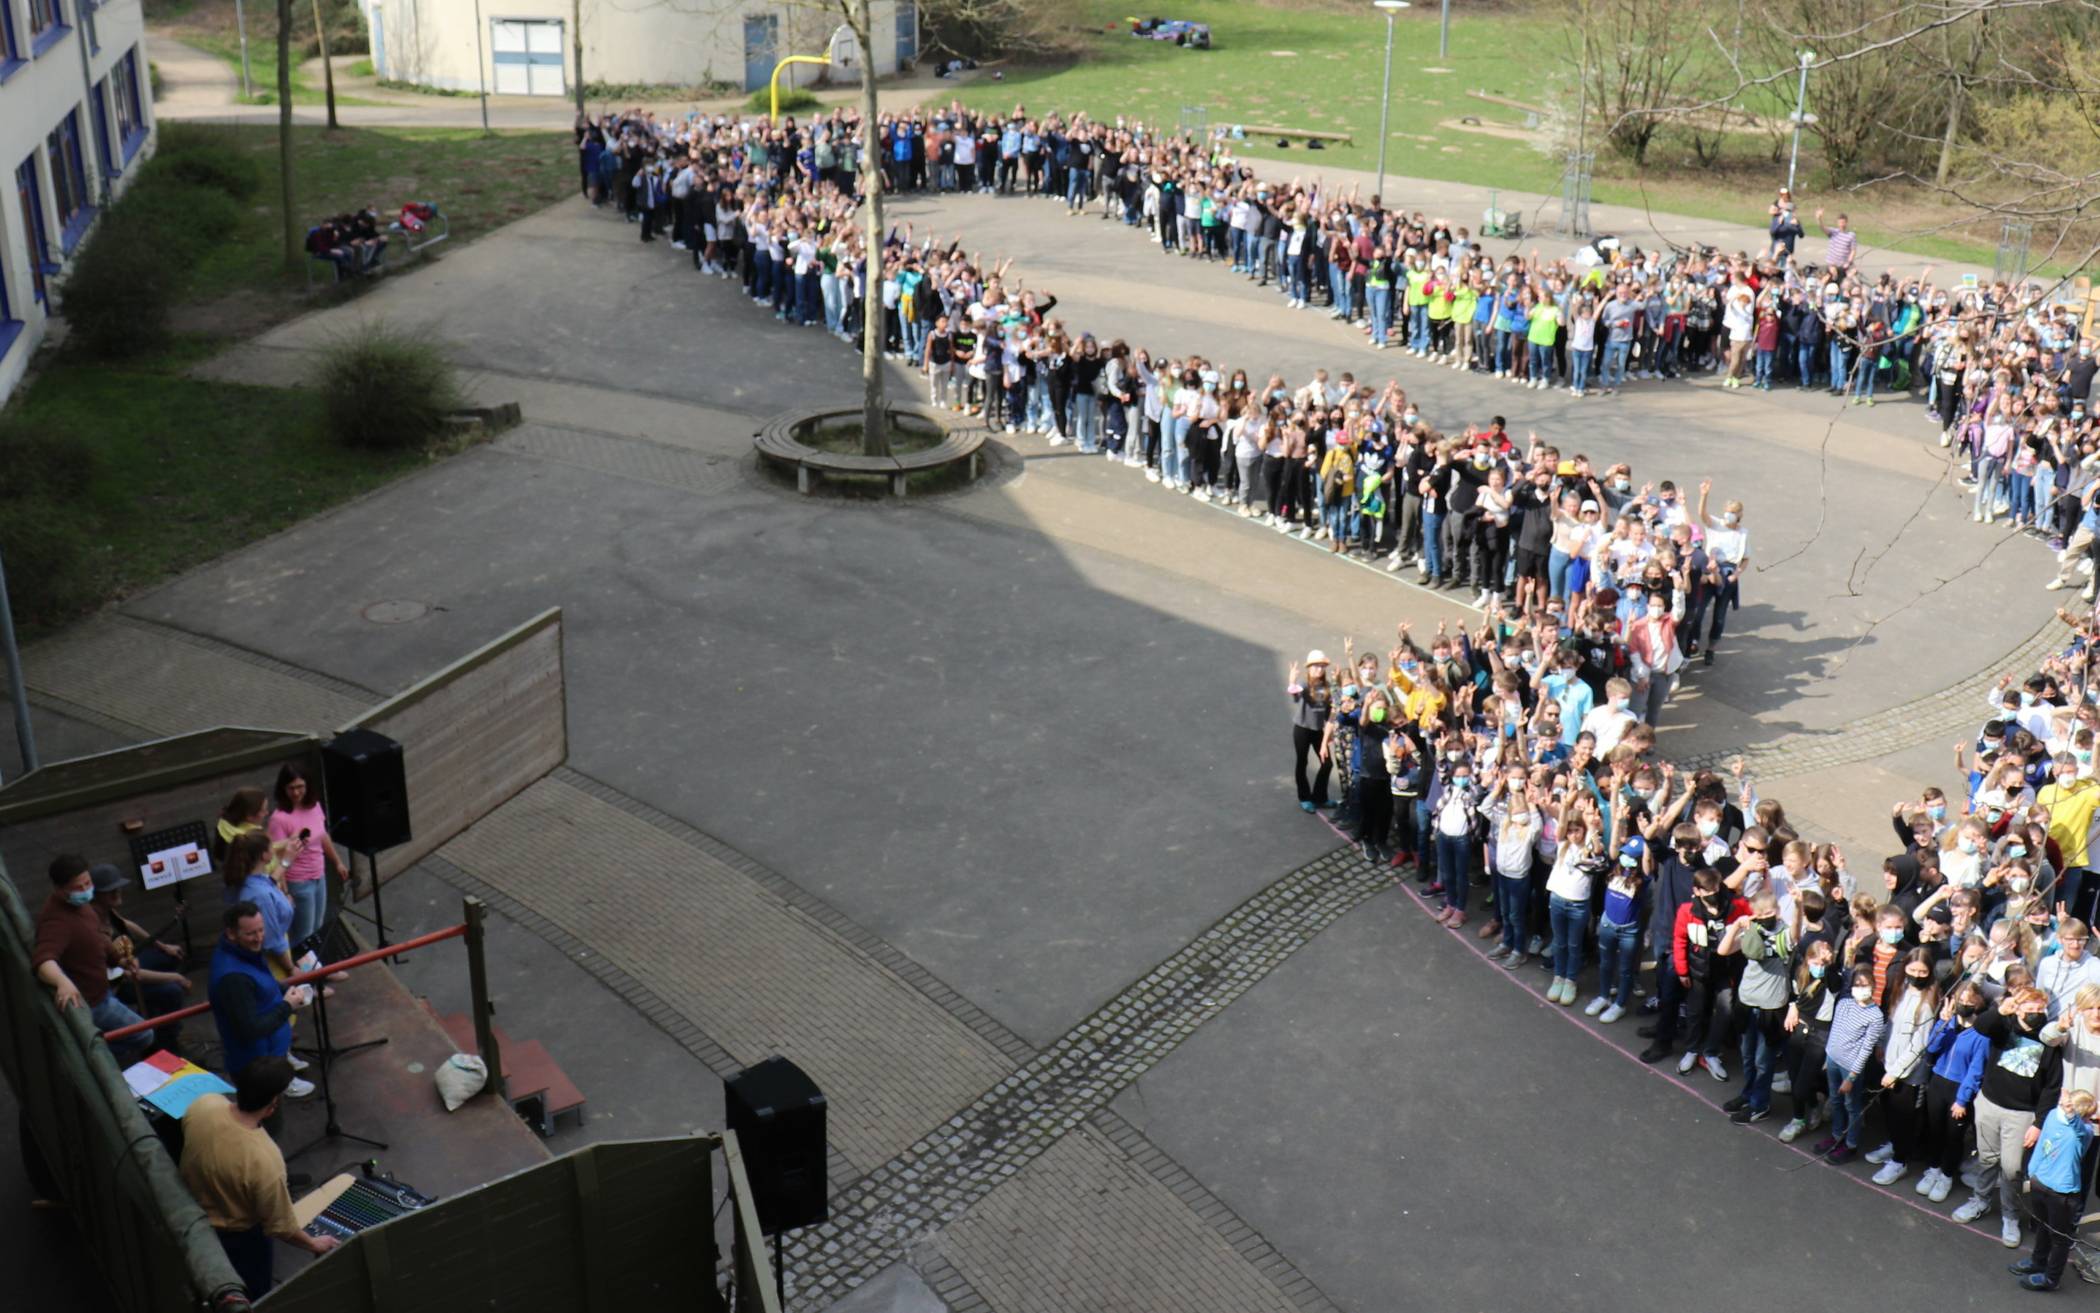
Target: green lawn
1319, 66
480, 182
185, 470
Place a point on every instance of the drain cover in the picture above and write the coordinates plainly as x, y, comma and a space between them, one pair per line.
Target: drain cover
395, 613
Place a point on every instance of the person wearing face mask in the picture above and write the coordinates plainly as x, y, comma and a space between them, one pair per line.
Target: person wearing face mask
1807, 1026
1856, 1030
72, 956
1958, 1052
1727, 555
1706, 976
1378, 719
2072, 966
2069, 803
1452, 810
1764, 944
1312, 699
2021, 1078
1906, 1070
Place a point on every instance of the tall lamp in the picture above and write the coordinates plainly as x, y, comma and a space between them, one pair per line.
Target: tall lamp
1385, 102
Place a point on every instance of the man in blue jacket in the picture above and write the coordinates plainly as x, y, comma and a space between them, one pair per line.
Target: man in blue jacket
253, 1011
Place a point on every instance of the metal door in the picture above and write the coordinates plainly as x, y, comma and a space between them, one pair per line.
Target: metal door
543, 66
907, 31
507, 49
761, 49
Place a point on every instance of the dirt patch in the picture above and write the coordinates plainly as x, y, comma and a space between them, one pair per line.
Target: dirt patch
1506, 131
234, 316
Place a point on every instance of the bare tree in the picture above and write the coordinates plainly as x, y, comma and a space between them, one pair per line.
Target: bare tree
284, 133
1632, 56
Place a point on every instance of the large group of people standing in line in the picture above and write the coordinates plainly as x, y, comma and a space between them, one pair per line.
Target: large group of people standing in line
2003, 372
1936, 1014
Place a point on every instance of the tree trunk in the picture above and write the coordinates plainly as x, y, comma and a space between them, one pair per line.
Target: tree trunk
576, 39
327, 65
1953, 127
284, 133
875, 438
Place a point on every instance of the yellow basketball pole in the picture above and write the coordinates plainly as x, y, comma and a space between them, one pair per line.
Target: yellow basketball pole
791, 59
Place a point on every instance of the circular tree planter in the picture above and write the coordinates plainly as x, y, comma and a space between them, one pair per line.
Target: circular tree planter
793, 439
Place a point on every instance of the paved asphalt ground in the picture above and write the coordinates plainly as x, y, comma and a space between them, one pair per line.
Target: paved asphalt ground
1032, 736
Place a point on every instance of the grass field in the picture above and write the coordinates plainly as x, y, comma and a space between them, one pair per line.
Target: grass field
1319, 65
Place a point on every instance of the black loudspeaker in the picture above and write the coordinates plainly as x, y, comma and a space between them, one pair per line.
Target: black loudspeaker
777, 1112
367, 791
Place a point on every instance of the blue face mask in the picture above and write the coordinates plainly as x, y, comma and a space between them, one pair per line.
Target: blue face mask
1893, 935
1816, 970
80, 897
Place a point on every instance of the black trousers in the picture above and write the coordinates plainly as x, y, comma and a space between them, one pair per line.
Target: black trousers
2056, 1222
1303, 742
1377, 791
1805, 1069
1903, 1108
1945, 1139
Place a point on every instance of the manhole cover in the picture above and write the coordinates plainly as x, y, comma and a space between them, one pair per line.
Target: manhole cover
395, 613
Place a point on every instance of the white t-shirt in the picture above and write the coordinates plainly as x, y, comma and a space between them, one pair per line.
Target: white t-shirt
1513, 836
1570, 880
1609, 725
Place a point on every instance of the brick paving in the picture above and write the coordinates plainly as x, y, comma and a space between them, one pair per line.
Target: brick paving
1082, 1227
755, 974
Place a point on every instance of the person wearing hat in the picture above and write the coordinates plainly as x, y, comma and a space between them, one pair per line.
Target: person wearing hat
153, 983
73, 957
1311, 700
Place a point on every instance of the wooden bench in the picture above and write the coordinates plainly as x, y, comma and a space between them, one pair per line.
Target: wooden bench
1283, 135
781, 440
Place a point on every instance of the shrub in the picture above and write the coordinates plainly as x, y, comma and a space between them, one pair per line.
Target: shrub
119, 296
37, 463
50, 576
793, 100
236, 175
383, 388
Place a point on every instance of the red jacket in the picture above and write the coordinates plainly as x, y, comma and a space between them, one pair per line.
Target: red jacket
1681, 944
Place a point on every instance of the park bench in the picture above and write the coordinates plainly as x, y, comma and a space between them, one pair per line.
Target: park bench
781, 440
1283, 135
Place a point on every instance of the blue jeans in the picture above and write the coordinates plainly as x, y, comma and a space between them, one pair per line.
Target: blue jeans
1618, 958
2020, 487
309, 906
1837, 365
1173, 454
834, 296
1579, 370
1085, 421
1863, 386
1454, 866
1844, 1108
111, 1014
1418, 327
1571, 925
1990, 474
1762, 375
761, 276
1541, 362
1557, 562
1301, 279
1805, 361
1433, 543
1615, 354
1760, 1055
1381, 312
1512, 902
1075, 187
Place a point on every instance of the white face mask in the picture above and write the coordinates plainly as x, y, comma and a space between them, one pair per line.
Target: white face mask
1863, 994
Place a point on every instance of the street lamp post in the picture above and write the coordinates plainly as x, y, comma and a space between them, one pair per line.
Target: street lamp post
1800, 116
1385, 102
1443, 33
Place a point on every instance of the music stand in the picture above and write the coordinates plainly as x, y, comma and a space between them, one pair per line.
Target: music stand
324, 1060
145, 846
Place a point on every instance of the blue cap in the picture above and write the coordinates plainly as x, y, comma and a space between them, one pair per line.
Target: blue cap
1633, 847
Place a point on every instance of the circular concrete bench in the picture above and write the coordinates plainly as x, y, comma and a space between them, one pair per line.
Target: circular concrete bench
782, 441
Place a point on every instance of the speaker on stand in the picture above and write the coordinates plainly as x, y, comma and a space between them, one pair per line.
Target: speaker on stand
367, 787
778, 1115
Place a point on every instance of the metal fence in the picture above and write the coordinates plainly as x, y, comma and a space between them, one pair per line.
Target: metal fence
152, 1243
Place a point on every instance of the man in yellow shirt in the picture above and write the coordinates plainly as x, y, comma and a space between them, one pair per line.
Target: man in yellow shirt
2068, 807
236, 1173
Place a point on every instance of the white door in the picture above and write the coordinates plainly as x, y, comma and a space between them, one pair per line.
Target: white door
543, 59
508, 44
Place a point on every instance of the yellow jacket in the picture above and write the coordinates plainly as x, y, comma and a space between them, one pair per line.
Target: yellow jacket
2070, 809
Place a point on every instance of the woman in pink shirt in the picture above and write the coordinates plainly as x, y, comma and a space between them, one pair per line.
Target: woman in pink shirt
300, 831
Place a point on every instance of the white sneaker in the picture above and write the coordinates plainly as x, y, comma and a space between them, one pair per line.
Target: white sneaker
2086, 592
1972, 1209
1890, 1173
1305, 533
2055, 584
1056, 440
2009, 1231
1393, 564
1782, 1083
1942, 1186
1969, 1178
1151, 475
1886, 1153
2085, 565
1792, 1130
298, 1063
1480, 602
1612, 1013
1594, 1006
1930, 1179
1686, 1063
300, 1088
1715, 1067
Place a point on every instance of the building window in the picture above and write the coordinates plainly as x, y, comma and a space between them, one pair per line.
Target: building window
10, 44
103, 154
131, 116
47, 23
69, 183
32, 201
907, 31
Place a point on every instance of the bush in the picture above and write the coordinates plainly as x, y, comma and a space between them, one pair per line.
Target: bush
236, 175
383, 388
48, 552
119, 297
35, 463
793, 100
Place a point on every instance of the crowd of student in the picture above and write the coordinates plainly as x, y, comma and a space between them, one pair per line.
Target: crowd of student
1943, 1010
2003, 371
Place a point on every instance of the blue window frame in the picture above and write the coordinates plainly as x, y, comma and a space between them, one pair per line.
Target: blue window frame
102, 150
31, 198
47, 25
10, 45
131, 112
69, 182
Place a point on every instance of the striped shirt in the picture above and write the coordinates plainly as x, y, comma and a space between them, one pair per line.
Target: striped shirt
1854, 1032
1844, 244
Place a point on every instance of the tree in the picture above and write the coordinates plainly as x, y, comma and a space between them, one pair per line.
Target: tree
284, 134
327, 65
576, 42
1632, 56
